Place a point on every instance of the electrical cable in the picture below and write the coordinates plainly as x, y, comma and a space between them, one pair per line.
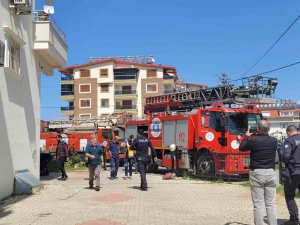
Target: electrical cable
271, 46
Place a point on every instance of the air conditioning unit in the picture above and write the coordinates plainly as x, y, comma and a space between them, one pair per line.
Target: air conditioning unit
2, 52
22, 7
20, 2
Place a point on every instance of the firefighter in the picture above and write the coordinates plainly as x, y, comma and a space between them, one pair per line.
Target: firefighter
291, 158
141, 145
113, 150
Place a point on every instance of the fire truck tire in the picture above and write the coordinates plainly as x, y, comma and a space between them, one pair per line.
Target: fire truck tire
205, 165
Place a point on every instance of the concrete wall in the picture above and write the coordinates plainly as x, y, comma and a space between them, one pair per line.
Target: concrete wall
19, 104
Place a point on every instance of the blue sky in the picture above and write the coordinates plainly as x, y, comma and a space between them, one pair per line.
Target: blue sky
202, 39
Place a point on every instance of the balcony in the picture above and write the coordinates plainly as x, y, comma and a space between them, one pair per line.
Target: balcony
67, 96
66, 80
49, 42
125, 79
125, 107
168, 79
125, 94
168, 92
69, 110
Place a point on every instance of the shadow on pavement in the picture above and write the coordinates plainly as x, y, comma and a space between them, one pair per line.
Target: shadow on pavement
8, 202
281, 221
51, 176
236, 223
137, 187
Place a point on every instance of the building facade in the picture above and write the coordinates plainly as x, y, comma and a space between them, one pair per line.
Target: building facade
280, 116
29, 44
113, 86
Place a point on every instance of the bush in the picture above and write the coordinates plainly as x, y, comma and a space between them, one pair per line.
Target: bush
53, 166
76, 160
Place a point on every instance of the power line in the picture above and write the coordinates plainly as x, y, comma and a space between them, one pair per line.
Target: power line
280, 68
271, 46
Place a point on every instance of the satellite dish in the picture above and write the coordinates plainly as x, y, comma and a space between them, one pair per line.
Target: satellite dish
49, 9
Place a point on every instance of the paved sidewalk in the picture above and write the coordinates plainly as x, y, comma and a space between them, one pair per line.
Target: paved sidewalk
121, 202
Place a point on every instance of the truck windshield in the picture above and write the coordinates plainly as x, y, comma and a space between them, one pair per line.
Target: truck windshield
238, 123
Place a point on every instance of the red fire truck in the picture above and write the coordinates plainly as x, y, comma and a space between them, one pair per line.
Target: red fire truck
204, 126
76, 140
76, 133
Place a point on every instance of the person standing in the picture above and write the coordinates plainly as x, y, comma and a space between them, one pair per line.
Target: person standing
62, 155
95, 161
113, 150
129, 157
141, 145
262, 176
291, 158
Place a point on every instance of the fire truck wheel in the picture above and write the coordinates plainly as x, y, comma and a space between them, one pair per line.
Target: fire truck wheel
205, 165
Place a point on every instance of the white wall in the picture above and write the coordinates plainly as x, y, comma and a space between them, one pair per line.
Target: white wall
19, 105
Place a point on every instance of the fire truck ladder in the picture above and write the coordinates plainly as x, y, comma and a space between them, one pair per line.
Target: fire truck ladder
255, 89
86, 123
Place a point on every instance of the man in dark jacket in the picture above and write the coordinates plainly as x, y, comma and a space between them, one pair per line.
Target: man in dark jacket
113, 150
262, 176
291, 158
62, 155
142, 146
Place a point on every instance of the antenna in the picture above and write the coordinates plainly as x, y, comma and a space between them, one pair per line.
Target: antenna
49, 9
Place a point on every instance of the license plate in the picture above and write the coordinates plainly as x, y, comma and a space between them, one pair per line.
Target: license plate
246, 161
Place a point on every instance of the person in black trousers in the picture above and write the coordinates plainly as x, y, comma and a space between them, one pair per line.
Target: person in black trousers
62, 155
142, 145
291, 158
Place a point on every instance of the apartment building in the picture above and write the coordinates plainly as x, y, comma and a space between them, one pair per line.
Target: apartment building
281, 115
30, 44
113, 85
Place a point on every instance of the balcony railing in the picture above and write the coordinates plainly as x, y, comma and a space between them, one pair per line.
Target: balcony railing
124, 77
125, 106
125, 92
41, 16
67, 93
67, 108
66, 78
167, 77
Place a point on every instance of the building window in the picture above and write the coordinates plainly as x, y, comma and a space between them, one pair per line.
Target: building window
103, 72
84, 73
286, 113
104, 103
151, 73
85, 116
104, 88
14, 56
84, 88
85, 103
151, 88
